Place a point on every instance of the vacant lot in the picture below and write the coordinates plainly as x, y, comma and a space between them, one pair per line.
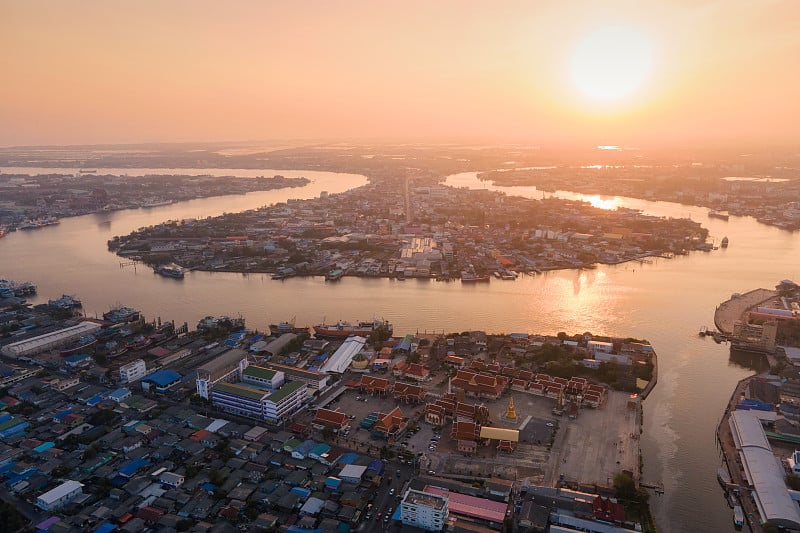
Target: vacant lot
598, 444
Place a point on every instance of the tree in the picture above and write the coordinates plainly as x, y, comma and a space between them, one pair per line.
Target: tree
793, 481
625, 486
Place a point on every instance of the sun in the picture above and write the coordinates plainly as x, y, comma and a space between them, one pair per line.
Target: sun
611, 64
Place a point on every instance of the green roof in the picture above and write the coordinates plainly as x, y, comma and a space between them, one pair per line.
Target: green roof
259, 372
287, 390
240, 390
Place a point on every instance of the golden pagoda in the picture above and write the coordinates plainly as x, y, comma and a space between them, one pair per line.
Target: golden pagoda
511, 413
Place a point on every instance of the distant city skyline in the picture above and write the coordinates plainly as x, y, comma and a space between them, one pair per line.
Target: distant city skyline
627, 73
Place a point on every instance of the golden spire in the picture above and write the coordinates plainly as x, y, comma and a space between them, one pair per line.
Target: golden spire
511, 413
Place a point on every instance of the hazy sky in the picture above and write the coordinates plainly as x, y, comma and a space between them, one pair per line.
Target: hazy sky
104, 71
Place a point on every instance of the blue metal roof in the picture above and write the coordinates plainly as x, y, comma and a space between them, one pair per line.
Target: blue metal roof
131, 467
162, 378
105, 527
119, 393
76, 358
257, 338
62, 414
94, 400
44, 446
348, 458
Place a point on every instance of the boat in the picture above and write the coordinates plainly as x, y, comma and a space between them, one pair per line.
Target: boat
334, 275
39, 223
724, 242
119, 315
84, 342
170, 271
115, 349
722, 215
283, 273
65, 302
470, 277
345, 329
738, 516
508, 274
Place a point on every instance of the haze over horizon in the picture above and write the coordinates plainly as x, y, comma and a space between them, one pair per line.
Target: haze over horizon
625, 73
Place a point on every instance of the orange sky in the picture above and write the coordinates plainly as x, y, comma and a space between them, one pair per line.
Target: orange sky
97, 71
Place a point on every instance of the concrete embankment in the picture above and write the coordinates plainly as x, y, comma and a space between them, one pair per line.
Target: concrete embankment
652, 383
734, 309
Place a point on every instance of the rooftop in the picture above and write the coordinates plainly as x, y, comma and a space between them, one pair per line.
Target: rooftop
287, 390
427, 499
259, 372
237, 389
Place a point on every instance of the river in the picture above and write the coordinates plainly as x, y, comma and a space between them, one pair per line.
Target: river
666, 302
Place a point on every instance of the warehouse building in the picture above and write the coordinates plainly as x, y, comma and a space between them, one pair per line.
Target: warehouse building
49, 341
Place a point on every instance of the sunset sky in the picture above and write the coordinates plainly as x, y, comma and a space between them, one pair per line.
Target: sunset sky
636, 73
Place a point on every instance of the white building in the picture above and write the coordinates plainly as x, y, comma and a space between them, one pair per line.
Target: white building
249, 401
263, 378
133, 371
58, 497
600, 346
171, 479
613, 358
424, 510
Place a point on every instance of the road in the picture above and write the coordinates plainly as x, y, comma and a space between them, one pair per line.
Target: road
385, 502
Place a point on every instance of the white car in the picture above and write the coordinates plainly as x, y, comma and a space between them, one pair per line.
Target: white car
549, 424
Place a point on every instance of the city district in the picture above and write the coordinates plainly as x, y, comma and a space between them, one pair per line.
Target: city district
122, 424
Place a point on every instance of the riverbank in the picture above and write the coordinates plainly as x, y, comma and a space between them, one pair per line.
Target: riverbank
731, 460
733, 310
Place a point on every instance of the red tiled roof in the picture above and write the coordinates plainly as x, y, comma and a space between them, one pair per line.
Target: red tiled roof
199, 435
605, 509
150, 514
327, 417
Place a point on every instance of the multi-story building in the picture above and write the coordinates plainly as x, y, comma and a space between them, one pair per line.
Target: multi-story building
58, 497
246, 400
132, 371
424, 510
263, 378
316, 381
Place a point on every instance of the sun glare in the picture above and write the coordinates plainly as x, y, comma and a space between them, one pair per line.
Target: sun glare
611, 64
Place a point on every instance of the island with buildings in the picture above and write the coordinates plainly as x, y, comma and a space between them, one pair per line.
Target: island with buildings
122, 424
392, 229
760, 430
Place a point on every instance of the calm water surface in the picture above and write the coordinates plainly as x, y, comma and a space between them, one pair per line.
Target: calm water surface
665, 302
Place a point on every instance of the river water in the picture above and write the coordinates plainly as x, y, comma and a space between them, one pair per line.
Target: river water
666, 301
